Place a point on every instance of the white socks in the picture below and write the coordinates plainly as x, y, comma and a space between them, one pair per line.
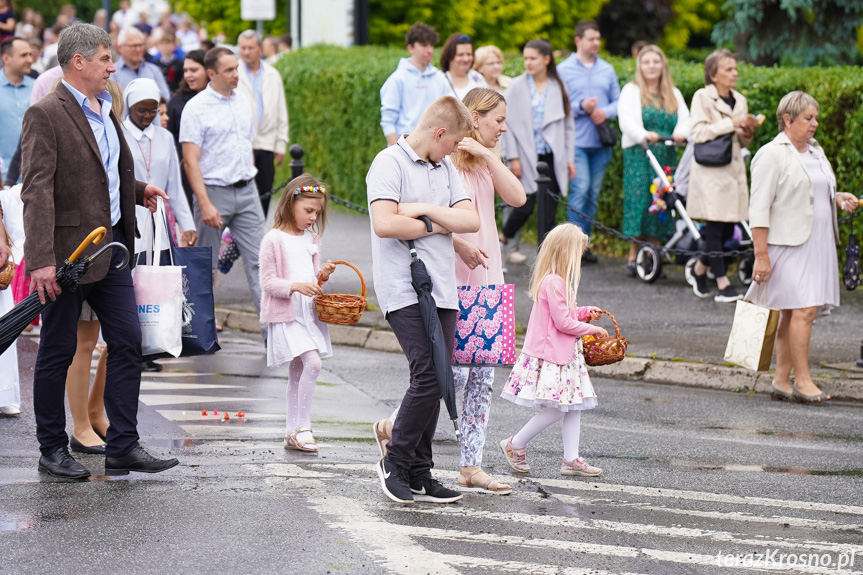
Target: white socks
301, 386
546, 418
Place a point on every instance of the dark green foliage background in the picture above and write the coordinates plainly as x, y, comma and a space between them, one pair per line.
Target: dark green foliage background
334, 101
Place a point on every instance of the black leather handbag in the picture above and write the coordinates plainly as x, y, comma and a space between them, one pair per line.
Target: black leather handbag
716, 152
607, 135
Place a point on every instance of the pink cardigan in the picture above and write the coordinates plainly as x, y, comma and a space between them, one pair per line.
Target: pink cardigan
553, 328
275, 276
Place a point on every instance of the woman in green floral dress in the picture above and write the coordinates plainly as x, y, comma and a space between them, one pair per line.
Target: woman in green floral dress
650, 109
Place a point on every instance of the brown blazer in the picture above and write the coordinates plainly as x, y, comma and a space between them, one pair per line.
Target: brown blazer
65, 190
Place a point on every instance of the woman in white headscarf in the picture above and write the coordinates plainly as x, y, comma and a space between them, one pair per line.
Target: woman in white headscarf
155, 154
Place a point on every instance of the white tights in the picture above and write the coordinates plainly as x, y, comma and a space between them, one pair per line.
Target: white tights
301, 385
544, 419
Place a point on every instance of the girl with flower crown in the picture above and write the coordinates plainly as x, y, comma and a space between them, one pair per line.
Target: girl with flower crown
289, 271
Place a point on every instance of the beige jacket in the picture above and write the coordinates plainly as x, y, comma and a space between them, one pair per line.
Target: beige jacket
718, 194
271, 133
782, 195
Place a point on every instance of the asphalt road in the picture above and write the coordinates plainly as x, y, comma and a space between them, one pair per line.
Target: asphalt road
690, 476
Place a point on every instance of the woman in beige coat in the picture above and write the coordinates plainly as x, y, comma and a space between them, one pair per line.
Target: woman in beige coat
794, 229
718, 194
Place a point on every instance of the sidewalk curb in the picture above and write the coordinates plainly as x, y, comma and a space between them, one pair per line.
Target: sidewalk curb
689, 374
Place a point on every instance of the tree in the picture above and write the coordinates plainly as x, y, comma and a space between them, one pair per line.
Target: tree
805, 32
224, 17
692, 18
633, 20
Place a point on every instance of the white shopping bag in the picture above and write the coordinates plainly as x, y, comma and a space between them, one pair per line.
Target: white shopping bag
159, 295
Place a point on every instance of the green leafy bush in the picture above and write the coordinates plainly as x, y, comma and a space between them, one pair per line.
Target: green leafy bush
334, 100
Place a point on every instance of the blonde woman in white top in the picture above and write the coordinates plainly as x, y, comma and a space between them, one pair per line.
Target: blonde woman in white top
650, 109
792, 213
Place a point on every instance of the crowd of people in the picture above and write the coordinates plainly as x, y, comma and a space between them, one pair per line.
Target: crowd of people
459, 137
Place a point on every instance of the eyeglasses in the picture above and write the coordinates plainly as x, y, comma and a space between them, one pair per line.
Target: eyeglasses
135, 46
150, 112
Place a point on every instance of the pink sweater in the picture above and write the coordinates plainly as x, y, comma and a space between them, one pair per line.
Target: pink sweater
275, 276
553, 328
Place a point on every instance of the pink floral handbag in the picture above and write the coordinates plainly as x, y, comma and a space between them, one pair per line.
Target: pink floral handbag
485, 329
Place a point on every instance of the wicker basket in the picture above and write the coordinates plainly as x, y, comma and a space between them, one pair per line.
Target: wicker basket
7, 274
604, 350
342, 309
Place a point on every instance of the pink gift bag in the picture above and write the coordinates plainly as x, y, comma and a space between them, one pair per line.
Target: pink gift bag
485, 329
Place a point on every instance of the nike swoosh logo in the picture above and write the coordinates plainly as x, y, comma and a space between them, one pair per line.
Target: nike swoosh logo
419, 491
387, 475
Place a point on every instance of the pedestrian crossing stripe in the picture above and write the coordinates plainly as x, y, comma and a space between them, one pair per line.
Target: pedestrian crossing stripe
172, 386
153, 399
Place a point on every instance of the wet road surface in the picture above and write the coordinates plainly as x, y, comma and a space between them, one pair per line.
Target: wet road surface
692, 478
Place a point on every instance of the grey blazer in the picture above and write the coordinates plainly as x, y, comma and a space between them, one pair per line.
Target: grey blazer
65, 189
557, 129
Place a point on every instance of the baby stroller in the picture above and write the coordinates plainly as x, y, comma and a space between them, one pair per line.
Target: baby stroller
687, 235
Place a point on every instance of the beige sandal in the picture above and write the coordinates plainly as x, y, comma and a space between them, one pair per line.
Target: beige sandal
479, 481
292, 443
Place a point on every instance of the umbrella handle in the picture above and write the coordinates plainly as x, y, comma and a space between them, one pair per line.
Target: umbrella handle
122, 247
94, 237
426, 219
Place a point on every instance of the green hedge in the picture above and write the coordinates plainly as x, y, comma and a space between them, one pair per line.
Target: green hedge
334, 102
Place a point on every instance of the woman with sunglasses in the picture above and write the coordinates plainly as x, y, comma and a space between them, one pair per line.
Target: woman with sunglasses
456, 60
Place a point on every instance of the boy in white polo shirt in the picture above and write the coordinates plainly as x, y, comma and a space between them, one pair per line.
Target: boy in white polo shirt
411, 179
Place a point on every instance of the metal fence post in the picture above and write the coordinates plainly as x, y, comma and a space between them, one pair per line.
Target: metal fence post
542, 183
297, 166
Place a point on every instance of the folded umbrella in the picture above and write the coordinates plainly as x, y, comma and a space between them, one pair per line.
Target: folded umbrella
69, 275
422, 284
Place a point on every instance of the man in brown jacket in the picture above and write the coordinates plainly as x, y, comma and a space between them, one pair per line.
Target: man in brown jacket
78, 175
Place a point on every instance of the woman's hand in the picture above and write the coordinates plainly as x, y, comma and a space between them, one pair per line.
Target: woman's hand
515, 167
741, 122
761, 269
595, 314
310, 290
473, 147
471, 255
327, 270
679, 138
570, 170
599, 332
651, 137
846, 201
188, 238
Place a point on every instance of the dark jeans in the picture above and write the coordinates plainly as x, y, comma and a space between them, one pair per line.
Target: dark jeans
518, 216
113, 300
264, 161
715, 235
415, 424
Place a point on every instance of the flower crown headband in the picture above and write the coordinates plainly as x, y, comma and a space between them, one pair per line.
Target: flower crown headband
313, 189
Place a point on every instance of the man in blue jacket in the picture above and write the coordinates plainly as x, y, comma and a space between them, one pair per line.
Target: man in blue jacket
413, 86
593, 93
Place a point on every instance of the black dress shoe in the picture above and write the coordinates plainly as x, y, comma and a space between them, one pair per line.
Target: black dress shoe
151, 366
61, 464
588, 257
137, 460
79, 447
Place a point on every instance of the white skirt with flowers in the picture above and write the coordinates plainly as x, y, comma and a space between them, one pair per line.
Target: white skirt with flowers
538, 383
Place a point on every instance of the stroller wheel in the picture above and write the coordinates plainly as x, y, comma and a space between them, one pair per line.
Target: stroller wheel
689, 270
648, 264
744, 268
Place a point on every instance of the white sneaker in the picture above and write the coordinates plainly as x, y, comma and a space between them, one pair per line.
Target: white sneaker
10, 409
516, 258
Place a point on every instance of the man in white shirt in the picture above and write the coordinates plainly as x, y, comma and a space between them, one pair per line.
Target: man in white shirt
216, 131
263, 86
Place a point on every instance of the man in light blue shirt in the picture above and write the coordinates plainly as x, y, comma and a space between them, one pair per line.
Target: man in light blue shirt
593, 92
131, 64
413, 86
15, 88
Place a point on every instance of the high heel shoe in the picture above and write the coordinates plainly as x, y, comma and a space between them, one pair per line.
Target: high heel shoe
81, 448
803, 398
779, 395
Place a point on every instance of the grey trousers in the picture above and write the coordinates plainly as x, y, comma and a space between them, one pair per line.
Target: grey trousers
240, 209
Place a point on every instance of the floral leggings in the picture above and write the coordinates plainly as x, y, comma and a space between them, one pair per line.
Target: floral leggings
477, 383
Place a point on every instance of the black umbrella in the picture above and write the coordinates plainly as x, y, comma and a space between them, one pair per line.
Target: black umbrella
422, 282
68, 276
